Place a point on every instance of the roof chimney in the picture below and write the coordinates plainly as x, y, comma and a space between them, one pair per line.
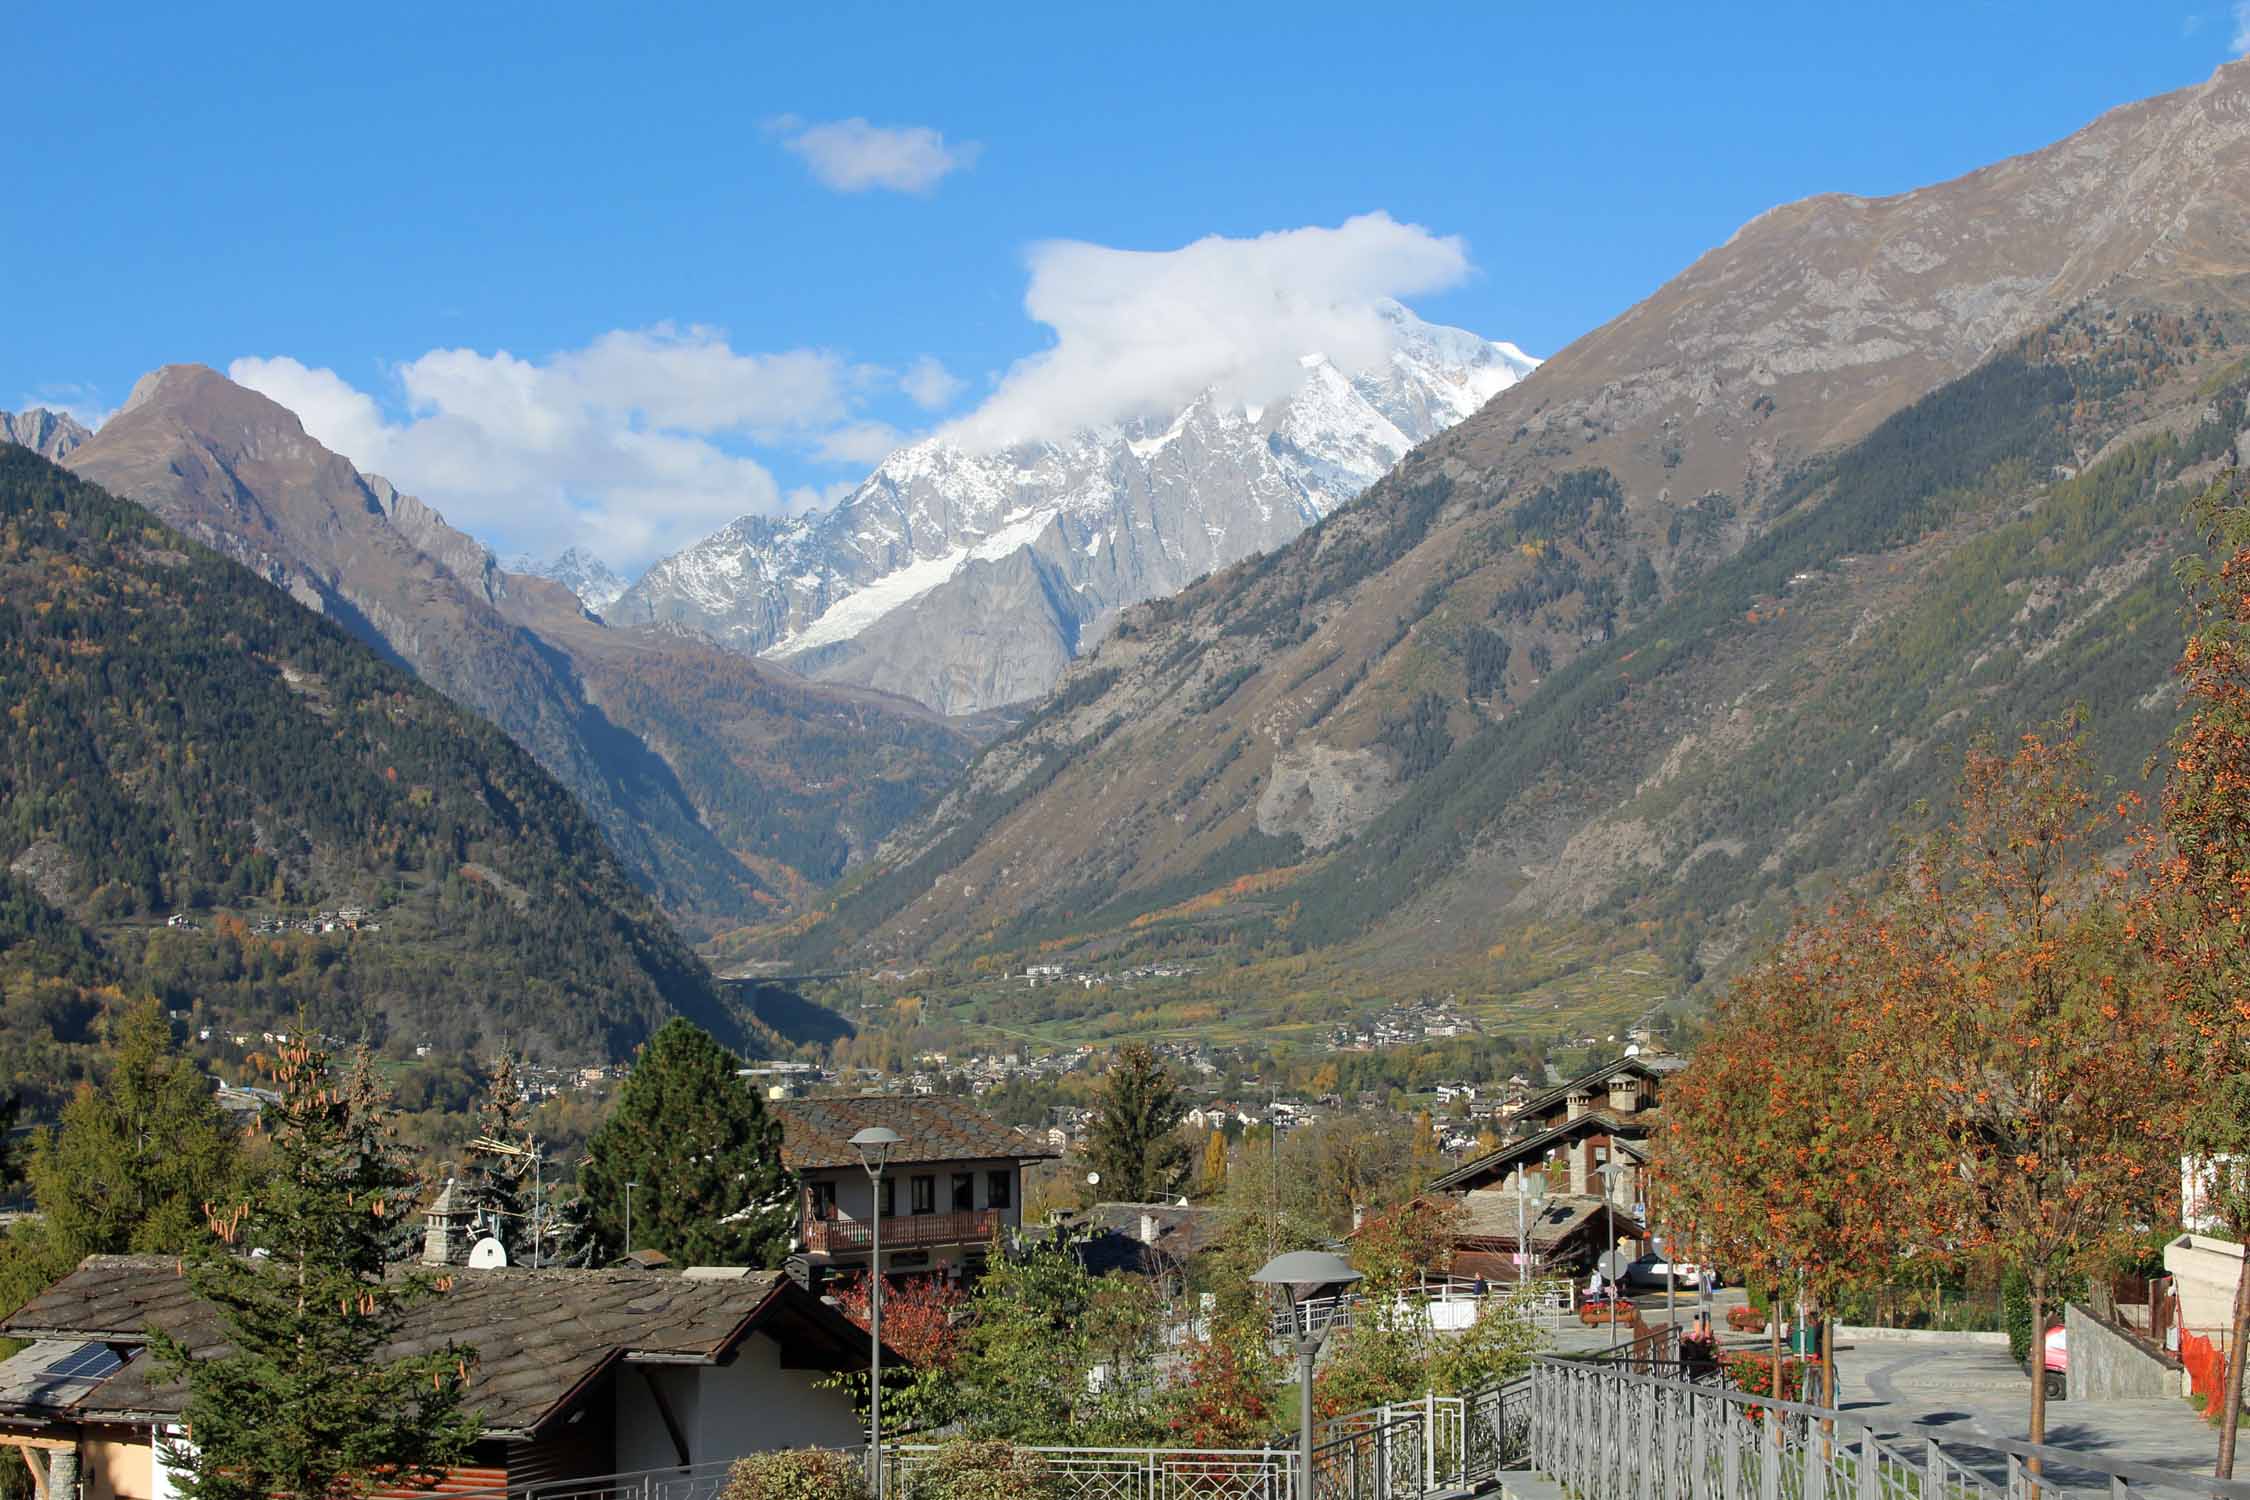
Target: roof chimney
437, 1227
1149, 1230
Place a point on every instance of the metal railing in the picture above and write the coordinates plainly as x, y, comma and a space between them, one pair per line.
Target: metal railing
1128, 1473
1605, 1432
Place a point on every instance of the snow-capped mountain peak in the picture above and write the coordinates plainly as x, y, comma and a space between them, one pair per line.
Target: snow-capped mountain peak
968, 579
594, 582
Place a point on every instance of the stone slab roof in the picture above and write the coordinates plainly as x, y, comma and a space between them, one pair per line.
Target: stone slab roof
817, 1133
1490, 1214
541, 1336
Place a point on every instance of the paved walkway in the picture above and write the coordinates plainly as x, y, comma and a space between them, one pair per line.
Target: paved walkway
1976, 1390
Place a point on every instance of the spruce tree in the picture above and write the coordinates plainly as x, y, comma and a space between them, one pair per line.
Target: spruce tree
305, 1405
130, 1166
1135, 1143
703, 1153
497, 1184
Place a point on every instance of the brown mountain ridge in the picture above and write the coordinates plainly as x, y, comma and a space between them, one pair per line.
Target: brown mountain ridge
1673, 633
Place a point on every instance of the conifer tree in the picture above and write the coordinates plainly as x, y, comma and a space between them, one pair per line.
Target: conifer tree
497, 1183
130, 1165
1135, 1142
703, 1153
305, 1405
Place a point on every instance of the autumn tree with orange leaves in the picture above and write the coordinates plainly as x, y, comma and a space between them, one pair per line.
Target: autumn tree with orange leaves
2033, 1059
1779, 1151
2195, 920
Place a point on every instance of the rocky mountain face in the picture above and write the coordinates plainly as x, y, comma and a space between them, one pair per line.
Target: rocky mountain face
1673, 633
49, 434
592, 580
968, 581
730, 788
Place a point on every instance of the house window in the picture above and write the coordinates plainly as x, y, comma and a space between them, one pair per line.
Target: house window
890, 1198
925, 1195
964, 1192
999, 1189
824, 1201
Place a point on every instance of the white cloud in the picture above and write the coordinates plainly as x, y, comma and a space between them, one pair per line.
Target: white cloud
858, 443
81, 403
929, 384
620, 446
2241, 42
853, 156
1140, 333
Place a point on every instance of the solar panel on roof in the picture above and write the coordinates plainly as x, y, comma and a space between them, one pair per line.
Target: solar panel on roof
88, 1362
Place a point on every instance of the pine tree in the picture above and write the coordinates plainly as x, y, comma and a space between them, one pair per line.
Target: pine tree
497, 1184
129, 1168
305, 1405
1135, 1142
703, 1154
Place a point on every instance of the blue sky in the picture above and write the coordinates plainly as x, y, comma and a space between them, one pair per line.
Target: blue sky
718, 295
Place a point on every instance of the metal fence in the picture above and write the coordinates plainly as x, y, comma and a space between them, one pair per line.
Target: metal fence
1605, 1432
687, 1482
1129, 1473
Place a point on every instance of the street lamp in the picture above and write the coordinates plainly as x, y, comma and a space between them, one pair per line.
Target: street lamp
629, 1216
1301, 1274
874, 1147
1609, 1172
1523, 1230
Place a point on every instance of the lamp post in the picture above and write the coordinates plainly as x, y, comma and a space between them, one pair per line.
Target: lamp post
629, 1216
1301, 1274
1609, 1172
1523, 1228
874, 1147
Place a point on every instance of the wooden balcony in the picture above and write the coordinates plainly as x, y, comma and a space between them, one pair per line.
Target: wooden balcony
904, 1231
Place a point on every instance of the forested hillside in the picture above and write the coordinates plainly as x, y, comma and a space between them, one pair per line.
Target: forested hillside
180, 739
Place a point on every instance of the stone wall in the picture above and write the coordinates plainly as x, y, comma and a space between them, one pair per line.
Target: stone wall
2106, 1364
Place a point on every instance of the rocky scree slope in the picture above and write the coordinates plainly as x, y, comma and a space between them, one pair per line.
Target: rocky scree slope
969, 580
1566, 659
730, 789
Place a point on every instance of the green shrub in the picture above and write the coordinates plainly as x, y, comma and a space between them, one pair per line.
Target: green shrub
983, 1469
796, 1474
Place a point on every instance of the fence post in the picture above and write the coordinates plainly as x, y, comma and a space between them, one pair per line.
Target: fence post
1429, 1441
1868, 1458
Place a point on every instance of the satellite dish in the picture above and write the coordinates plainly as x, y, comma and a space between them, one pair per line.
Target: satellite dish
487, 1254
1093, 1179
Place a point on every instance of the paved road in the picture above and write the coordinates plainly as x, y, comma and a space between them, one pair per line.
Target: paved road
1976, 1390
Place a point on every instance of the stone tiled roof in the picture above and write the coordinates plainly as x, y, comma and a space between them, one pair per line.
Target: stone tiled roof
541, 1336
1491, 1215
817, 1133
1494, 1166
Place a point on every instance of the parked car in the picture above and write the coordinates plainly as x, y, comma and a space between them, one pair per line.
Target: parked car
2055, 1363
1649, 1271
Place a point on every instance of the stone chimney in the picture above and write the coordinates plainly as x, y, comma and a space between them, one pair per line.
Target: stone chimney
1149, 1228
1581, 1100
441, 1223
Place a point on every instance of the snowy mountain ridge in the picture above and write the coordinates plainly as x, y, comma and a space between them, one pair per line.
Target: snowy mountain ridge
594, 582
968, 580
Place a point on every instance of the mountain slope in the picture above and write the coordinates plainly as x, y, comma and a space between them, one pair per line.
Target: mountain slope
1596, 655
671, 745
49, 434
182, 736
969, 580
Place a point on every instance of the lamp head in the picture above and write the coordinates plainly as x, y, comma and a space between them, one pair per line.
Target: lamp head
1302, 1276
874, 1145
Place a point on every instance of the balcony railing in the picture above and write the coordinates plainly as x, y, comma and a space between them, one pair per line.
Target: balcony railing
904, 1231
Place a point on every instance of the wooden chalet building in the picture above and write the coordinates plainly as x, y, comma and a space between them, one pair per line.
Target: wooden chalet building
578, 1373
954, 1181
1605, 1115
